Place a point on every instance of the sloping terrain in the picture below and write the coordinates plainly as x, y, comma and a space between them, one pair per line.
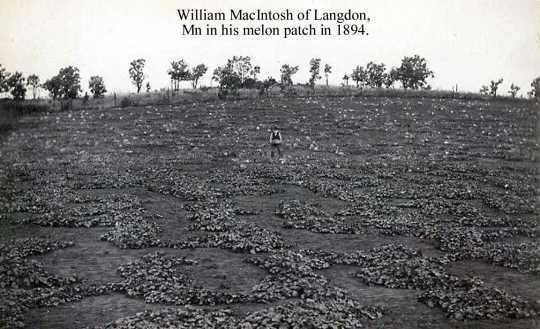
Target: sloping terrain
383, 213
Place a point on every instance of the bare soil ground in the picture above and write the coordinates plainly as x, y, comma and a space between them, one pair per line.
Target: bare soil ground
383, 213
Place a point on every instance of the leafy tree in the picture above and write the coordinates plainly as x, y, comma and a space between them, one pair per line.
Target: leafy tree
196, 73
535, 88
136, 72
513, 90
413, 72
16, 85
493, 86
346, 80
233, 75
359, 75
327, 71
70, 82
33, 81
97, 86
4, 75
179, 72
314, 69
66, 84
390, 77
375, 74
287, 71
229, 81
54, 87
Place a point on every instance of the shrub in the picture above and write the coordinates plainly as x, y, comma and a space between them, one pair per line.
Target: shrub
125, 102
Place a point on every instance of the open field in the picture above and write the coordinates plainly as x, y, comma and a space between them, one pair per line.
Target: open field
384, 213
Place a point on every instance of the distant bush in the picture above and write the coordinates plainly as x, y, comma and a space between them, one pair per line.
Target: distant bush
125, 102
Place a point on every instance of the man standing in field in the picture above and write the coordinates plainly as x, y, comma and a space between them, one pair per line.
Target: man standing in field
275, 141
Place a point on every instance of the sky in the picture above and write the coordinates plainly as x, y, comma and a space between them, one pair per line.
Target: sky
465, 42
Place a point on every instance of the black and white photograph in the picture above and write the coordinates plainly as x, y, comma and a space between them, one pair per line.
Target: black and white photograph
245, 164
